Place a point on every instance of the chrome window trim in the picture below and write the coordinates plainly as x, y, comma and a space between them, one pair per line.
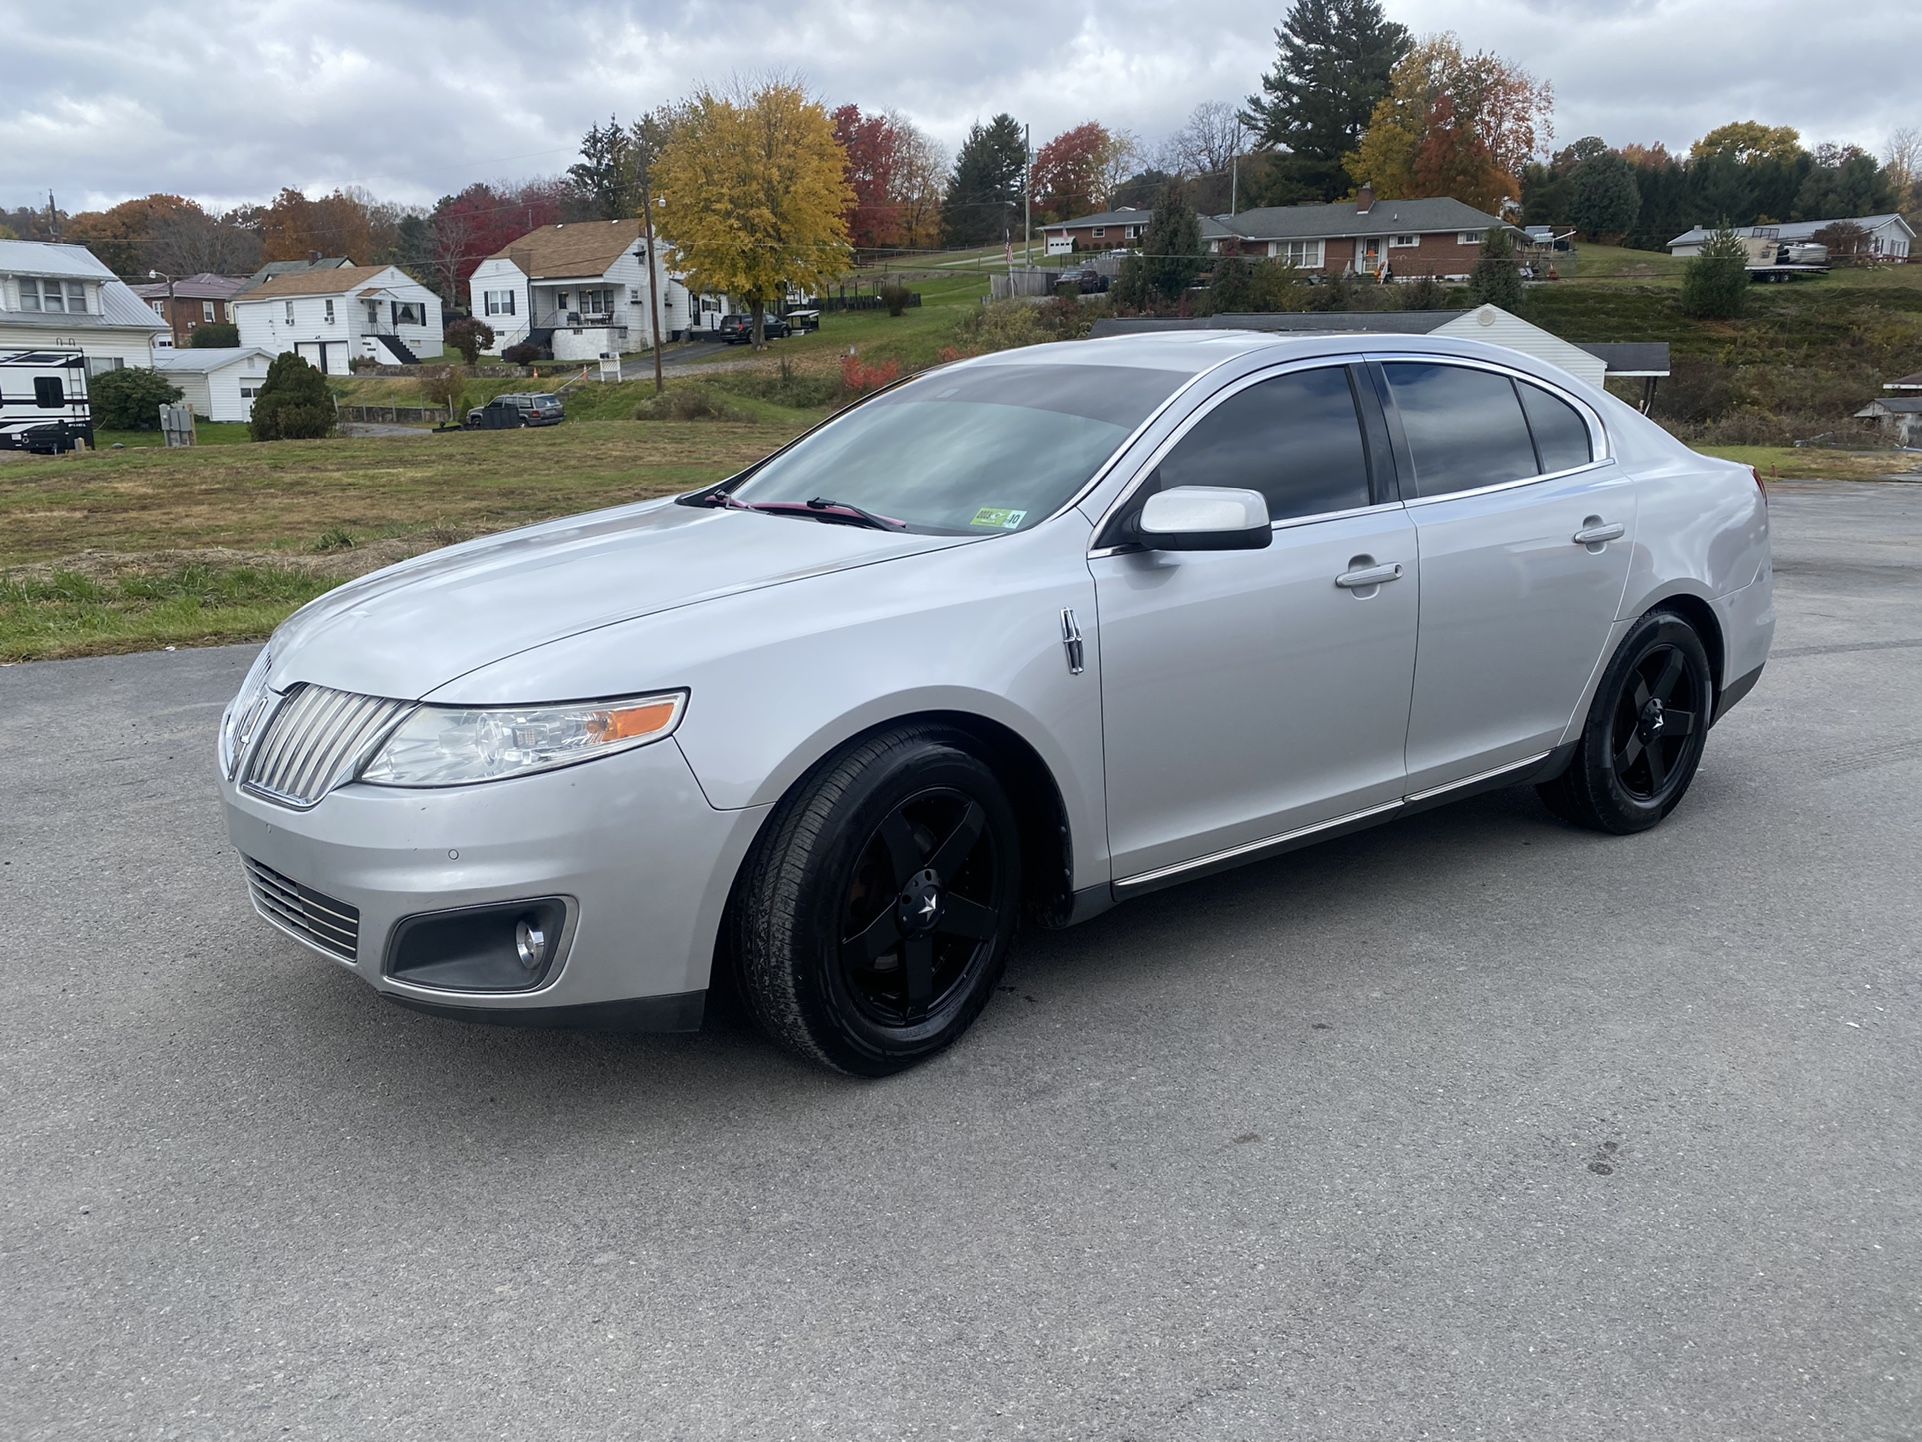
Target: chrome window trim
1598, 440
1194, 418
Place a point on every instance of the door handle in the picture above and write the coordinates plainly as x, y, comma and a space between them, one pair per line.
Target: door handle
1594, 533
1369, 576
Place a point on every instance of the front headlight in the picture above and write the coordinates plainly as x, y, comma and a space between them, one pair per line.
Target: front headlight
457, 746
243, 713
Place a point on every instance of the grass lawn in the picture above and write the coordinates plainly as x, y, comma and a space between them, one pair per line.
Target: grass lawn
126, 550
914, 338
206, 433
1810, 463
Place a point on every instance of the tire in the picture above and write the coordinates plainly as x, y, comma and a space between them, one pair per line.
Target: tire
1643, 739
874, 916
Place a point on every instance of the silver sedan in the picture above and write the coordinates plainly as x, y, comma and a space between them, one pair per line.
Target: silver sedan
1016, 640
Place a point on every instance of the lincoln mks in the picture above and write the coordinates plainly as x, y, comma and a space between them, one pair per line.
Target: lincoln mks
1007, 643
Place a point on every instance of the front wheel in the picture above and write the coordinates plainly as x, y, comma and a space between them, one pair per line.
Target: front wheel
1645, 731
876, 912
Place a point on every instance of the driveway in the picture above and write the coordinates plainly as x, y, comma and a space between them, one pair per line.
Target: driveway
1470, 1127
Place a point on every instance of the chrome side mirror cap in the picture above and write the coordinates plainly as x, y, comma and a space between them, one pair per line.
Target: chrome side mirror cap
1205, 518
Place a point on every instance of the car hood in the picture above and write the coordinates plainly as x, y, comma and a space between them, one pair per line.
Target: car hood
411, 628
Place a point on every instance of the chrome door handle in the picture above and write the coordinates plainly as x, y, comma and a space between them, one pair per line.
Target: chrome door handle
1596, 534
1369, 576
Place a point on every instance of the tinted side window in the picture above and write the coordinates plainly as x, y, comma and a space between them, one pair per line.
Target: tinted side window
1296, 439
1464, 427
1561, 435
48, 391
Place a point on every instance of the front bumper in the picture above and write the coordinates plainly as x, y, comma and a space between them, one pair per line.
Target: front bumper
642, 861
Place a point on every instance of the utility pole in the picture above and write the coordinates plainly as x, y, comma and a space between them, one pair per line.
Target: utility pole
654, 268
53, 226
1234, 170
1027, 197
171, 323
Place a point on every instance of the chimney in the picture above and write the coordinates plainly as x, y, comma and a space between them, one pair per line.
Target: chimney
1365, 199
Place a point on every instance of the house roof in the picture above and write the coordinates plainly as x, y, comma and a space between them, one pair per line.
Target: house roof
203, 360
1127, 215
120, 308
204, 286
572, 249
294, 267
1904, 406
1904, 383
338, 281
1794, 229
1343, 220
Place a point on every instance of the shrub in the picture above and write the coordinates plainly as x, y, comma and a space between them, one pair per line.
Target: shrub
214, 335
335, 538
1424, 293
1337, 292
1497, 277
1003, 325
294, 403
446, 387
895, 298
469, 336
130, 399
801, 390
523, 353
863, 378
1715, 283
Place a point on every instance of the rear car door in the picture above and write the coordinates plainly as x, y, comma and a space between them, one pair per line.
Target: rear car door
1250, 694
1525, 529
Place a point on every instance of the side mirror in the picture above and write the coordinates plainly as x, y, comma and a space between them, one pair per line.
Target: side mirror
1205, 518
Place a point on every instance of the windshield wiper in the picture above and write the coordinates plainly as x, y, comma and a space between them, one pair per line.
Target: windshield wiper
843, 510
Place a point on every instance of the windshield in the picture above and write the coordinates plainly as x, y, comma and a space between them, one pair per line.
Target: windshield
972, 451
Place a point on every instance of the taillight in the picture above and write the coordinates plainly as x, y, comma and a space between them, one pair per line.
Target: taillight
1756, 471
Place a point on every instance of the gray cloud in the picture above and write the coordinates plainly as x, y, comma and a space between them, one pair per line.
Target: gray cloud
226, 101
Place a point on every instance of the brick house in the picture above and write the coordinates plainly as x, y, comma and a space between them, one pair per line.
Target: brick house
196, 300
1110, 230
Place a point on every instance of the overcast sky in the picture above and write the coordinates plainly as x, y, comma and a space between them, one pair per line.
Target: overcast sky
227, 101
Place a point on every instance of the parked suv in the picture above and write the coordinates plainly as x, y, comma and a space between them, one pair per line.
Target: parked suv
509, 412
1087, 280
739, 329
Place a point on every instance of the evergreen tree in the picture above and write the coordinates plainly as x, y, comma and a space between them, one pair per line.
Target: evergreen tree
983, 203
603, 175
1497, 279
1715, 283
1332, 64
1171, 247
1603, 195
294, 403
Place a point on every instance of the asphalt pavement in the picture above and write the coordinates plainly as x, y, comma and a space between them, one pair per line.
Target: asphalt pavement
1474, 1126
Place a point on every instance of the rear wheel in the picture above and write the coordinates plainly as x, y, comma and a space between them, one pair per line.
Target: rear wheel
877, 911
1645, 731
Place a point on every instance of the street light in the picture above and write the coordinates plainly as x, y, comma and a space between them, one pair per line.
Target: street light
173, 326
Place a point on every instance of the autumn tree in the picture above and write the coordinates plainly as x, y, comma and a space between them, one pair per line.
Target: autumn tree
920, 175
121, 236
754, 195
1902, 163
1496, 117
1746, 140
1333, 62
983, 197
1068, 172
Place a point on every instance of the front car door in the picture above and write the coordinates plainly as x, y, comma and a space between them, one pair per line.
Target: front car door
1247, 695
1525, 529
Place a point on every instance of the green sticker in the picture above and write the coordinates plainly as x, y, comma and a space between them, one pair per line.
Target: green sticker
1000, 520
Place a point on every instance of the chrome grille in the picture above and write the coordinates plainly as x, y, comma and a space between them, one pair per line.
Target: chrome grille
316, 739
319, 920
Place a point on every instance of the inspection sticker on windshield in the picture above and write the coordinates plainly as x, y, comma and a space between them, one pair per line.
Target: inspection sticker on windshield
998, 519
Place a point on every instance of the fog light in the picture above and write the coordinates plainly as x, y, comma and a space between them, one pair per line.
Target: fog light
530, 943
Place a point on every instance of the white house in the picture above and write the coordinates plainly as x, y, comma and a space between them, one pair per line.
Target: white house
581, 289
1885, 237
219, 382
60, 296
329, 317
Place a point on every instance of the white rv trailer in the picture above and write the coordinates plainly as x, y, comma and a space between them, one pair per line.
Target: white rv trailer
43, 401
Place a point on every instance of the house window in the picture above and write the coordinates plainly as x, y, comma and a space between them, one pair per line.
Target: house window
498, 302
250, 387
99, 365
1305, 253
410, 312
159, 307
228, 306
207, 310
1133, 231
1098, 231
1469, 237
1767, 232
288, 311
1403, 242
330, 310
710, 305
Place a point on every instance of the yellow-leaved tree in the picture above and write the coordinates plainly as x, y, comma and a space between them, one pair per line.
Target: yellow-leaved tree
752, 193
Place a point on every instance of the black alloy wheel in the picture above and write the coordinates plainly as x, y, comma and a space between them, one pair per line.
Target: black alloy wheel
875, 913
923, 909
1645, 732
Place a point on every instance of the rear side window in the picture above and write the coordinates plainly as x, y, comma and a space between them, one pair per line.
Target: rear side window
1295, 438
48, 391
1464, 427
1561, 435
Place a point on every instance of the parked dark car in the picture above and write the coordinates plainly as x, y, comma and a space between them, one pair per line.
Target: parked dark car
739, 329
1087, 280
510, 412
